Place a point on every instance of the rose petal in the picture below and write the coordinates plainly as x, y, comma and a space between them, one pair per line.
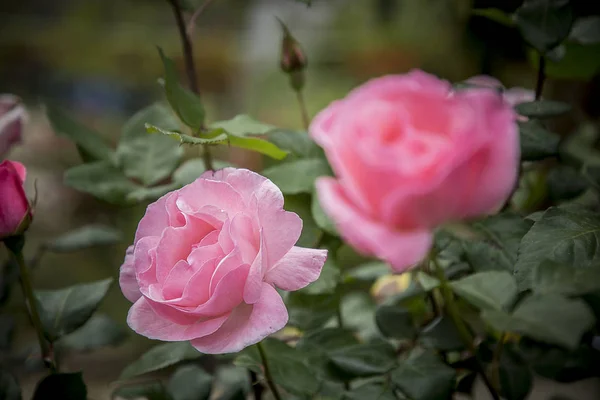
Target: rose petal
230, 262
144, 262
247, 325
204, 192
256, 274
155, 220
127, 279
14, 204
244, 237
145, 321
227, 294
298, 268
402, 250
176, 281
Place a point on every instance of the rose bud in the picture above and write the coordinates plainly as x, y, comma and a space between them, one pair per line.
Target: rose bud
12, 119
15, 212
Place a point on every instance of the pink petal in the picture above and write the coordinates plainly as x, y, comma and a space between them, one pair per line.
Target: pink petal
244, 181
402, 249
14, 204
230, 262
244, 237
145, 321
13, 117
197, 290
155, 220
247, 325
203, 192
176, 281
256, 274
227, 294
127, 279
144, 262
298, 268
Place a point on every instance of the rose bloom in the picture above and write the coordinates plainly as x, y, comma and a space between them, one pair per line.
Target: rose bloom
206, 260
12, 118
14, 206
409, 154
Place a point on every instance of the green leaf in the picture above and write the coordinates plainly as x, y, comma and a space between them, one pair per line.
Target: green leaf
358, 312
7, 330
84, 237
564, 236
323, 221
146, 391
544, 23
310, 311
220, 137
297, 143
186, 104
427, 282
9, 388
367, 272
149, 159
580, 62
549, 318
328, 280
371, 391
243, 125
565, 183
516, 379
424, 377
190, 382
144, 194
155, 114
537, 142
552, 277
287, 364
300, 204
586, 30
495, 15
297, 176
319, 344
495, 290
65, 310
91, 143
234, 383
191, 170
441, 334
61, 386
365, 359
159, 357
543, 108
100, 331
395, 322
102, 180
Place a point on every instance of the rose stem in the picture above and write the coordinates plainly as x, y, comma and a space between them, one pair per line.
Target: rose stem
15, 246
190, 69
541, 77
268, 376
463, 331
303, 110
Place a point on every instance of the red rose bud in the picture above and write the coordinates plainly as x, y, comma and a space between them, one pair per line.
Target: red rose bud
12, 118
292, 56
15, 211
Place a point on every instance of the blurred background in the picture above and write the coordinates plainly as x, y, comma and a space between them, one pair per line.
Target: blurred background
98, 60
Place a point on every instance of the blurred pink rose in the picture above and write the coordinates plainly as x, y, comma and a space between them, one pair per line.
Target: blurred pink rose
409, 155
206, 258
14, 206
513, 96
12, 118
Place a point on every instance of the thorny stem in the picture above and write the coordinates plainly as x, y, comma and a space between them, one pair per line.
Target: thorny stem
34, 314
192, 22
190, 68
268, 376
257, 387
463, 331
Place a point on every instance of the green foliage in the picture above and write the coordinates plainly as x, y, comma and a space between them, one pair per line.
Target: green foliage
423, 376
549, 318
297, 176
298, 144
99, 331
491, 290
90, 144
9, 388
551, 277
562, 235
544, 24
148, 390
84, 237
441, 334
65, 310
537, 142
395, 322
61, 386
371, 391
190, 382
287, 364
494, 14
516, 378
186, 104
586, 30
159, 357
328, 280
542, 109
365, 359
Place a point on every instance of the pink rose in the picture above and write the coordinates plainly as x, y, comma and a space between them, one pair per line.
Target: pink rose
206, 260
14, 206
12, 118
512, 96
409, 155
